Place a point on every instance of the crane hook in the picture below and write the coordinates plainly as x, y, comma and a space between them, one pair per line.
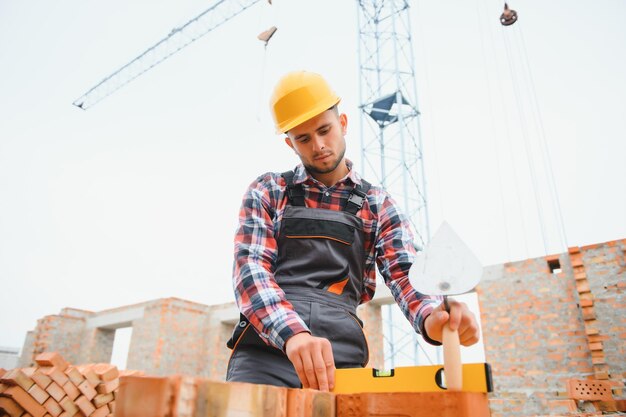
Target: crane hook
508, 17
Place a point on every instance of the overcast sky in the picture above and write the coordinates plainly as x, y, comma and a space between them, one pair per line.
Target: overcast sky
137, 198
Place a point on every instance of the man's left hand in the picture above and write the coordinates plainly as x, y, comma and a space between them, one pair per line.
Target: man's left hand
460, 318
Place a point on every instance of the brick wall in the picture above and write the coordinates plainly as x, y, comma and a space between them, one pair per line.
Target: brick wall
536, 327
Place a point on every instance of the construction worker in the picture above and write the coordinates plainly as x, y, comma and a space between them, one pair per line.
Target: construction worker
305, 251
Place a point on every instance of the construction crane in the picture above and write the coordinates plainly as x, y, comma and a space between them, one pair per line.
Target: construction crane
213, 17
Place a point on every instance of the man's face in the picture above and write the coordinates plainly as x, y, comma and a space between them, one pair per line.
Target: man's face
320, 142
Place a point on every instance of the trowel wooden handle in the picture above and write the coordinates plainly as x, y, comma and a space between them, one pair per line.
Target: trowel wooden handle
452, 359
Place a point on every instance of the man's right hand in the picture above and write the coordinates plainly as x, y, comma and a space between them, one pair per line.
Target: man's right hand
313, 359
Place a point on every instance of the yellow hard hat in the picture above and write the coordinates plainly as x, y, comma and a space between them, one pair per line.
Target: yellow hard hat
298, 97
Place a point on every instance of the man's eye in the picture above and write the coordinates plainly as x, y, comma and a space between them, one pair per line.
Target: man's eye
324, 131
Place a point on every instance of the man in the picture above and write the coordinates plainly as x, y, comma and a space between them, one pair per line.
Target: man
305, 252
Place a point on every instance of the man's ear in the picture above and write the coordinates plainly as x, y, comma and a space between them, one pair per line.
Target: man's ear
288, 142
343, 119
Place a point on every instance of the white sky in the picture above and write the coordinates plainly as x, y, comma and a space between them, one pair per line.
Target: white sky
137, 197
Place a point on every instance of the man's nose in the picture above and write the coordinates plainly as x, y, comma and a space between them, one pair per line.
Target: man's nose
318, 142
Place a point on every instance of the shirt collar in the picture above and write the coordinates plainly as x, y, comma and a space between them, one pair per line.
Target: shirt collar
301, 175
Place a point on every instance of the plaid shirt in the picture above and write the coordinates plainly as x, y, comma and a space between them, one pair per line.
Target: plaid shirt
388, 243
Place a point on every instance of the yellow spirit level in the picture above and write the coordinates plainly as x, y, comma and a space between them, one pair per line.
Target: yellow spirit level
476, 378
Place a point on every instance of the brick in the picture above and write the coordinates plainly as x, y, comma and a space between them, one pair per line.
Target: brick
240, 398
74, 375
53, 407
605, 405
101, 412
89, 374
562, 406
68, 406
39, 394
111, 406
27, 402
17, 377
102, 399
586, 302
414, 404
41, 379
56, 375
106, 372
87, 390
310, 403
84, 405
107, 387
140, 396
2, 372
10, 407
595, 346
71, 390
51, 359
55, 391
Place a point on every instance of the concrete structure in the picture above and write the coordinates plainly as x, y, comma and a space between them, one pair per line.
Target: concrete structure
544, 320
9, 357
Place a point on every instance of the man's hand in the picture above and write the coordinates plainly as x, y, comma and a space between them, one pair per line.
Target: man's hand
459, 318
313, 359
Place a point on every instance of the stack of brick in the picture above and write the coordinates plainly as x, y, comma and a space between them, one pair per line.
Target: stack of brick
178, 396
54, 388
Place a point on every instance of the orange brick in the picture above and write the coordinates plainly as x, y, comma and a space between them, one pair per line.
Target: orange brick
107, 387
68, 406
38, 394
56, 375
85, 405
41, 379
310, 403
140, 395
106, 372
52, 407
55, 391
74, 375
89, 374
51, 359
414, 404
2, 372
10, 407
71, 390
102, 399
239, 399
101, 412
27, 402
17, 377
87, 390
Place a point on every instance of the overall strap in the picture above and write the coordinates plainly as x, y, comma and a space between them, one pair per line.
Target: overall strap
295, 192
357, 197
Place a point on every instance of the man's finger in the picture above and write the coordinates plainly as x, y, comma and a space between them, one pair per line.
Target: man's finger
329, 361
319, 366
309, 370
456, 312
297, 364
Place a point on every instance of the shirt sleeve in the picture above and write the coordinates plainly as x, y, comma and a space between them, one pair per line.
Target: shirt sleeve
395, 253
258, 295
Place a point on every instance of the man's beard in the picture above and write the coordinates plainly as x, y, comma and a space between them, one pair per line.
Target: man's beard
315, 170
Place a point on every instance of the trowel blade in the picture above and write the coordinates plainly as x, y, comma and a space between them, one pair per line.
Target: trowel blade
446, 266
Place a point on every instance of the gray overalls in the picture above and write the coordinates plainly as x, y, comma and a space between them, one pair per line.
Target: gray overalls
320, 264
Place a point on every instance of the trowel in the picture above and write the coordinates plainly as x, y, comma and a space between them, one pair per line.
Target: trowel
447, 267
